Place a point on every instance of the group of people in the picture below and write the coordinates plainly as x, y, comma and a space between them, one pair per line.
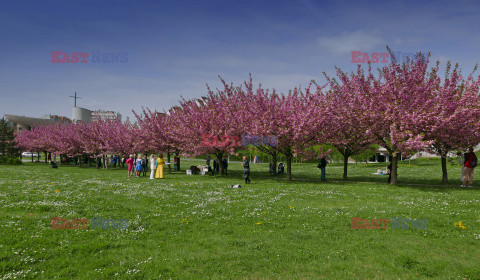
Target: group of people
323, 164
383, 172
387, 171
216, 165
141, 165
138, 165
280, 168
111, 161
224, 162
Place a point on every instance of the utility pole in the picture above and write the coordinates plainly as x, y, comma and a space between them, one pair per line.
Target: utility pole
75, 98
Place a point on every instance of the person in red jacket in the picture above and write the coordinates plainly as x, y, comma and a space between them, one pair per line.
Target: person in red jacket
129, 161
470, 164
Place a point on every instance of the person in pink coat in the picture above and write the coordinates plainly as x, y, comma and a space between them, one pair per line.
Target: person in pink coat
129, 161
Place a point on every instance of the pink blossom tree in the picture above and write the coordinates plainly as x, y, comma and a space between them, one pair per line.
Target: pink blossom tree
397, 119
210, 125
120, 138
260, 124
452, 118
293, 118
345, 114
157, 133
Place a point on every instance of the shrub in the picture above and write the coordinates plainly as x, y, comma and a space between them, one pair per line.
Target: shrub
12, 161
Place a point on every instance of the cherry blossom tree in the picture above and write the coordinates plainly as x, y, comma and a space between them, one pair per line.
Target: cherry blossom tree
453, 115
405, 109
293, 118
260, 110
120, 138
345, 114
210, 125
157, 133
398, 115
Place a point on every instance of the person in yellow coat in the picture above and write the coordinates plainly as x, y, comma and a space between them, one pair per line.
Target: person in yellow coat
160, 163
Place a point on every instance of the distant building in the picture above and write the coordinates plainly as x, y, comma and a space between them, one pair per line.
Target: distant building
105, 115
382, 155
23, 122
80, 114
84, 115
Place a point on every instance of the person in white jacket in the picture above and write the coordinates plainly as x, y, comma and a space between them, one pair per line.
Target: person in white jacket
152, 166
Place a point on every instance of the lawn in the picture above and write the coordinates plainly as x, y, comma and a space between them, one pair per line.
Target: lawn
196, 227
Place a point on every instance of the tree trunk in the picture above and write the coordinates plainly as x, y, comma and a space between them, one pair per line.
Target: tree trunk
169, 165
178, 165
444, 169
289, 167
345, 166
274, 160
46, 157
220, 165
394, 170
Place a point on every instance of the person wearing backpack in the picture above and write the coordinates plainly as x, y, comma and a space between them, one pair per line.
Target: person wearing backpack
470, 164
322, 165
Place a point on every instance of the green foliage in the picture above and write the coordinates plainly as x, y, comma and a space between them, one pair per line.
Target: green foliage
335, 155
7, 144
12, 161
365, 155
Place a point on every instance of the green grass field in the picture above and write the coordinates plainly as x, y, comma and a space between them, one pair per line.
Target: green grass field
196, 227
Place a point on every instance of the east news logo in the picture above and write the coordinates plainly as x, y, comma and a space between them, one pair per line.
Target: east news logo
93, 57
397, 223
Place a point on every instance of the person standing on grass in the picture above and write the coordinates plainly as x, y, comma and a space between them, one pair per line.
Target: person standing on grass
225, 165
129, 161
99, 162
138, 167
160, 164
176, 160
144, 165
246, 170
134, 163
216, 165
470, 164
461, 162
322, 165
152, 166
281, 168
115, 161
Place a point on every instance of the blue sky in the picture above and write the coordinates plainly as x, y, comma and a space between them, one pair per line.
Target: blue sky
175, 47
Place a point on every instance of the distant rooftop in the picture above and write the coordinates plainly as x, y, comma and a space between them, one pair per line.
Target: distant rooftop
24, 122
